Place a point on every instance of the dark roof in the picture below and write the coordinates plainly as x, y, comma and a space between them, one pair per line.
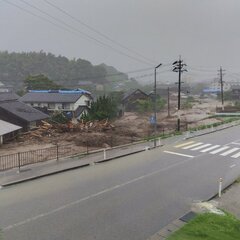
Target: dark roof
128, 94
8, 96
35, 97
23, 111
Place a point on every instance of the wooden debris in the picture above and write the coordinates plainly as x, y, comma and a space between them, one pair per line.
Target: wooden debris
47, 129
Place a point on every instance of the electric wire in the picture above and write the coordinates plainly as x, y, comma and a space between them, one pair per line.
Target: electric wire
97, 31
72, 28
82, 33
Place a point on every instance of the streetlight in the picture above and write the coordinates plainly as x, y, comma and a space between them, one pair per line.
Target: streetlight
155, 103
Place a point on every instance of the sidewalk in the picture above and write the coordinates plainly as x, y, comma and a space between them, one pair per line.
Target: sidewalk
43, 169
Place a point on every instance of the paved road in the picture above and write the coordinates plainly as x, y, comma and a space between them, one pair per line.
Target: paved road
129, 198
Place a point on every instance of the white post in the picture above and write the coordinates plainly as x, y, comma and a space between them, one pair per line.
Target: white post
159, 142
104, 154
220, 187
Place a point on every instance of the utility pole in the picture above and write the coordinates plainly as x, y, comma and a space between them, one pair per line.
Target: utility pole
168, 101
178, 66
221, 83
155, 103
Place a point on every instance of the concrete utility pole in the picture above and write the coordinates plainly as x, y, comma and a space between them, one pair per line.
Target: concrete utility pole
155, 103
178, 66
168, 101
221, 82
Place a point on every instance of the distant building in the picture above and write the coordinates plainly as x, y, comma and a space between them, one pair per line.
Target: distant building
216, 85
162, 90
130, 99
236, 92
4, 88
74, 103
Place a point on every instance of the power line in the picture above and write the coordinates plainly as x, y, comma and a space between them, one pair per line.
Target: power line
201, 70
82, 33
96, 31
72, 28
112, 75
122, 73
35, 15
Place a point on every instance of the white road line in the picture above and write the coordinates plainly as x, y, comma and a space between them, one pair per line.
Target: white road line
28, 220
210, 148
193, 145
236, 155
229, 151
201, 147
219, 150
179, 154
235, 143
184, 144
234, 165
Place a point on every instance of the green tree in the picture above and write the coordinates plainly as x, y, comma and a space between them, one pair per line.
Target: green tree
147, 105
103, 108
40, 82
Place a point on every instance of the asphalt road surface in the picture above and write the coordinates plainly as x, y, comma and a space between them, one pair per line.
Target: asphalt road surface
126, 199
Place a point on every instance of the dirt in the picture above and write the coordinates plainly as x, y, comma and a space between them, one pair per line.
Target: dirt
131, 127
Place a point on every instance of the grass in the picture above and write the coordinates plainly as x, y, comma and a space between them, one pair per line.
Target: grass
209, 226
238, 180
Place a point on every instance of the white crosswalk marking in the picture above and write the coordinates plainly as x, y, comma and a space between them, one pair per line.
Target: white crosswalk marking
210, 148
236, 155
229, 151
193, 145
219, 150
184, 144
201, 147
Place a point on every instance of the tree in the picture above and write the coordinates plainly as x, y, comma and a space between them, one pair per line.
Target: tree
103, 108
147, 105
40, 82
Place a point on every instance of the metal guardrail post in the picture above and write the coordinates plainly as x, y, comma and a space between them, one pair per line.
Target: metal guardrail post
19, 162
57, 152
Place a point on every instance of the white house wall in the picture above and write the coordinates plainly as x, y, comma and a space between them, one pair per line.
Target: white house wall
82, 101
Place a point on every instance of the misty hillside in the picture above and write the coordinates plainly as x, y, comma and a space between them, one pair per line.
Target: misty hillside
15, 67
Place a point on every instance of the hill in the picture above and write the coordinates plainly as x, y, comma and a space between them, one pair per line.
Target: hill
15, 67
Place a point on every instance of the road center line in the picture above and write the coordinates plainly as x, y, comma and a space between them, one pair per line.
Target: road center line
31, 219
234, 165
179, 154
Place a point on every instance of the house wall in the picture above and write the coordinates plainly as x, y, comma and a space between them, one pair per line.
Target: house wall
9, 136
8, 117
82, 101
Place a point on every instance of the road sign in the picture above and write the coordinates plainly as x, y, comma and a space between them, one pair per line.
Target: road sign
152, 120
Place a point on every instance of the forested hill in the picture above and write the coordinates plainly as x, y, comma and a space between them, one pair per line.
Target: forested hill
15, 67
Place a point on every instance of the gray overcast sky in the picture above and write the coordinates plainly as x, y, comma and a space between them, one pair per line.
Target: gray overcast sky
204, 32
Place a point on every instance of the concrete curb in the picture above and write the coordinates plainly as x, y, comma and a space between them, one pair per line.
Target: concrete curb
8, 184
124, 155
42, 175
